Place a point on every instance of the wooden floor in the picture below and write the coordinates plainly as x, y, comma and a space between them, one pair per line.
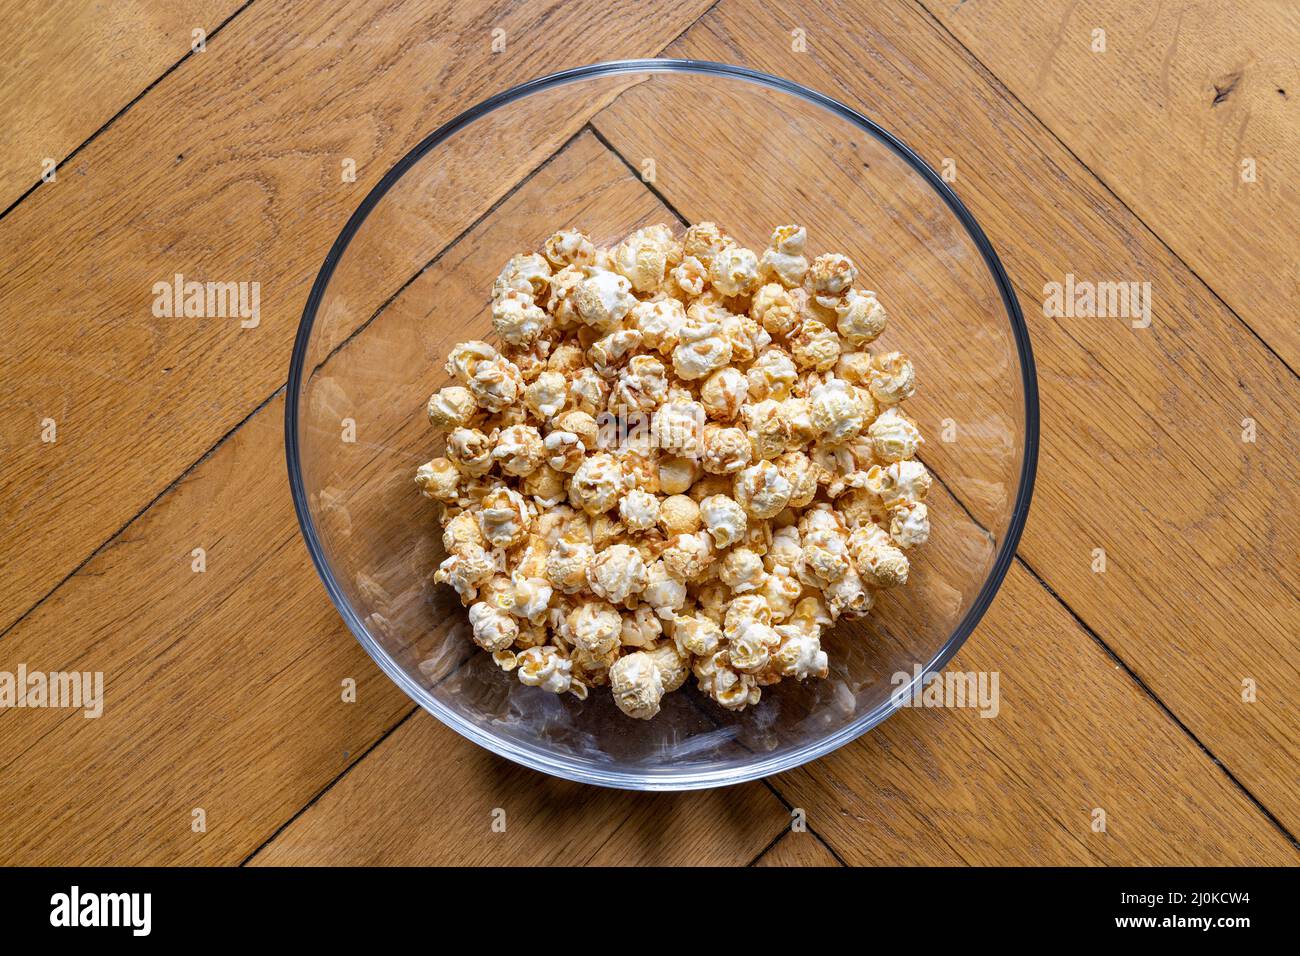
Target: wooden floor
1099, 138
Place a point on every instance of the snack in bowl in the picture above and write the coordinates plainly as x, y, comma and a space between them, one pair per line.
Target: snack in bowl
682, 459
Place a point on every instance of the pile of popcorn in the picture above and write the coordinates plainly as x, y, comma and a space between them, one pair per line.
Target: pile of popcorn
682, 459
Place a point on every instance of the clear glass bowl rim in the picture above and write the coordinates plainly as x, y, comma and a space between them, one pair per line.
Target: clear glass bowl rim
538, 758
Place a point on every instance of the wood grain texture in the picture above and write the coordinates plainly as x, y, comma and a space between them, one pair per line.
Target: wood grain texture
244, 185
1073, 735
1166, 114
66, 67
1120, 748
224, 688
1142, 452
445, 816
797, 849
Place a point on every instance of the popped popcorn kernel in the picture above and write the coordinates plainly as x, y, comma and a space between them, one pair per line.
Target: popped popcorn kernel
892, 378
602, 298
617, 573
569, 247
831, 276
734, 271
894, 436
451, 406
860, 318
544, 667
637, 685
783, 259
682, 461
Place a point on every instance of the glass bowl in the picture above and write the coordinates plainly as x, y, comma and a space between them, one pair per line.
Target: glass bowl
608, 148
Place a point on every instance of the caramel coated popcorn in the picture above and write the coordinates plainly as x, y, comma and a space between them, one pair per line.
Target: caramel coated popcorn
682, 459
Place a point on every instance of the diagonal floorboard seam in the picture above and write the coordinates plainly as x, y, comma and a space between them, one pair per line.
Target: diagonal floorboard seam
208, 37
330, 786
1013, 98
1083, 625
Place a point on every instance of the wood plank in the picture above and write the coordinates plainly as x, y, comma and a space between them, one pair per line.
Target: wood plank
224, 689
446, 818
1166, 115
67, 67
1072, 734
798, 849
1201, 585
263, 122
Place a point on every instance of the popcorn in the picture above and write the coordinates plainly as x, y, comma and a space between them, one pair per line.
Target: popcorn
595, 627
517, 319
544, 667
702, 348
567, 563
494, 629
588, 392
860, 318
642, 385
664, 593
679, 514
772, 376
660, 322
734, 271
834, 411
637, 685
674, 667
451, 406
602, 298
726, 450
617, 573
644, 257
496, 384
546, 395
527, 275
503, 518
762, 490
465, 571
725, 520
676, 475
607, 353
892, 378
438, 479
466, 357
677, 459
564, 451
903, 482
704, 240
596, 484
723, 393
769, 430
831, 276
689, 556
639, 510
690, 276
909, 525
894, 436
775, 308
876, 558
678, 427
814, 346
519, 450
783, 259
741, 570
581, 424
800, 654
568, 247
